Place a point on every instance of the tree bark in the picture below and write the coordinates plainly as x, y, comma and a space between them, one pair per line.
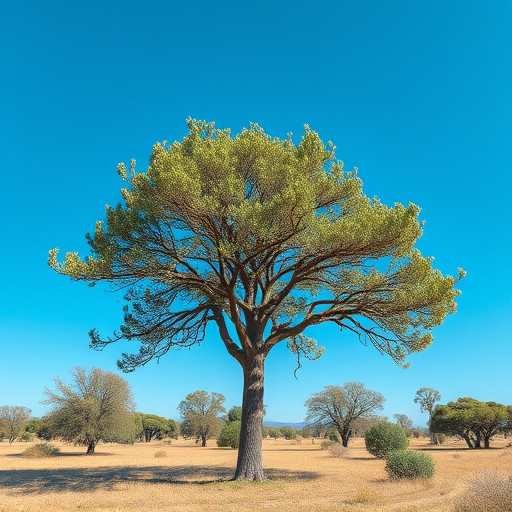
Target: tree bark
468, 440
486, 441
250, 463
203, 440
90, 447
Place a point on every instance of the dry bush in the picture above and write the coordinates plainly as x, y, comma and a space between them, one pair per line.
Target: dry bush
338, 450
487, 493
369, 496
40, 450
297, 440
325, 445
160, 454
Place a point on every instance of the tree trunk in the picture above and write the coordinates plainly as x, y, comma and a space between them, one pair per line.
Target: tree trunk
250, 463
345, 436
468, 440
90, 447
477, 441
203, 439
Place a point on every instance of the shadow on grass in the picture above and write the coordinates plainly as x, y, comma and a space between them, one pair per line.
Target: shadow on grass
39, 481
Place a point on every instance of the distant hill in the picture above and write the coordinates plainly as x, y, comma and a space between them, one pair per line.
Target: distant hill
279, 424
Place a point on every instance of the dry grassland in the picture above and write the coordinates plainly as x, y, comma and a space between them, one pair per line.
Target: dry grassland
189, 478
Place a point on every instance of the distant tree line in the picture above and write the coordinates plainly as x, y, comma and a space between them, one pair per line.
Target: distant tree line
98, 406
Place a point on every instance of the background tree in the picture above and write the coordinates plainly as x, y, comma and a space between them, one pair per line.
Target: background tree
340, 406
245, 231
404, 421
40, 428
200, 412
14, 419
157, 427
96, 406
470, 419
234, 414
427, 398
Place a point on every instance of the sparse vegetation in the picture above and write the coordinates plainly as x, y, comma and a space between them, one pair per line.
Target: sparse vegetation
41, 450
385, 437
409, 464
338, 450
488, 492
160, 454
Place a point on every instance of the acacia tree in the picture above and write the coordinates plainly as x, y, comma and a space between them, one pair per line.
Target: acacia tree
245, 231
14, 419
200, 413
341, 406
427, 398
97, 406
156, 427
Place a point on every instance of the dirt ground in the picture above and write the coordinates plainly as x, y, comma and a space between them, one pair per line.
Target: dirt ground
189, 478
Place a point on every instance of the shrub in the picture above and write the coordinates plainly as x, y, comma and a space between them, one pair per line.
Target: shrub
487, 493
288, 432
385, 437
160, 454
407, 464
325, 445
41, 450
230, 435
338, 450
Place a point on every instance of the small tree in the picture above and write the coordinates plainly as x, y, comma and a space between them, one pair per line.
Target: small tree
97, 405
385, 437
427, 398
14, 419
200, 412
341, 406
230, 435
243, 232
288, 432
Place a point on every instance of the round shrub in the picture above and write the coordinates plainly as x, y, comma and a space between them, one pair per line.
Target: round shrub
230, 435
385, 437
41, 450
160, 454
407, 464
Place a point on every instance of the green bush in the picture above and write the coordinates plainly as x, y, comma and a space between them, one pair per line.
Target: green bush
385, 437
407, 464
230, 435
41, 450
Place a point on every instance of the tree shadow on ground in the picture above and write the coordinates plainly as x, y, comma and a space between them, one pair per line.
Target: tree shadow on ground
39, 481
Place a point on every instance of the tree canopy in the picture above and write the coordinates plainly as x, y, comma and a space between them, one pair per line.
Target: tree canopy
269, 237
96, 406
471, 419
341, 406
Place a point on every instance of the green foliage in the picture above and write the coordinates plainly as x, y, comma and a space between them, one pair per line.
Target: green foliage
408, 464
385, 437
156, 427
40, 450
97, 405
471, 419
235, 414
234, 225
230, 435
274, 432
40, 428
200, 412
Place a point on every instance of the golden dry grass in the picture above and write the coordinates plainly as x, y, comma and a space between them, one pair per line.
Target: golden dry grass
190, 479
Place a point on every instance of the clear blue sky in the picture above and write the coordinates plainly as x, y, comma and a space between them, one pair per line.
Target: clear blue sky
417, 95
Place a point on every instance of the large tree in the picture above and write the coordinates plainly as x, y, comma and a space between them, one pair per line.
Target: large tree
14, 419
201, 412
471, 419
246, 231
341, 406
427, 398
96, 406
